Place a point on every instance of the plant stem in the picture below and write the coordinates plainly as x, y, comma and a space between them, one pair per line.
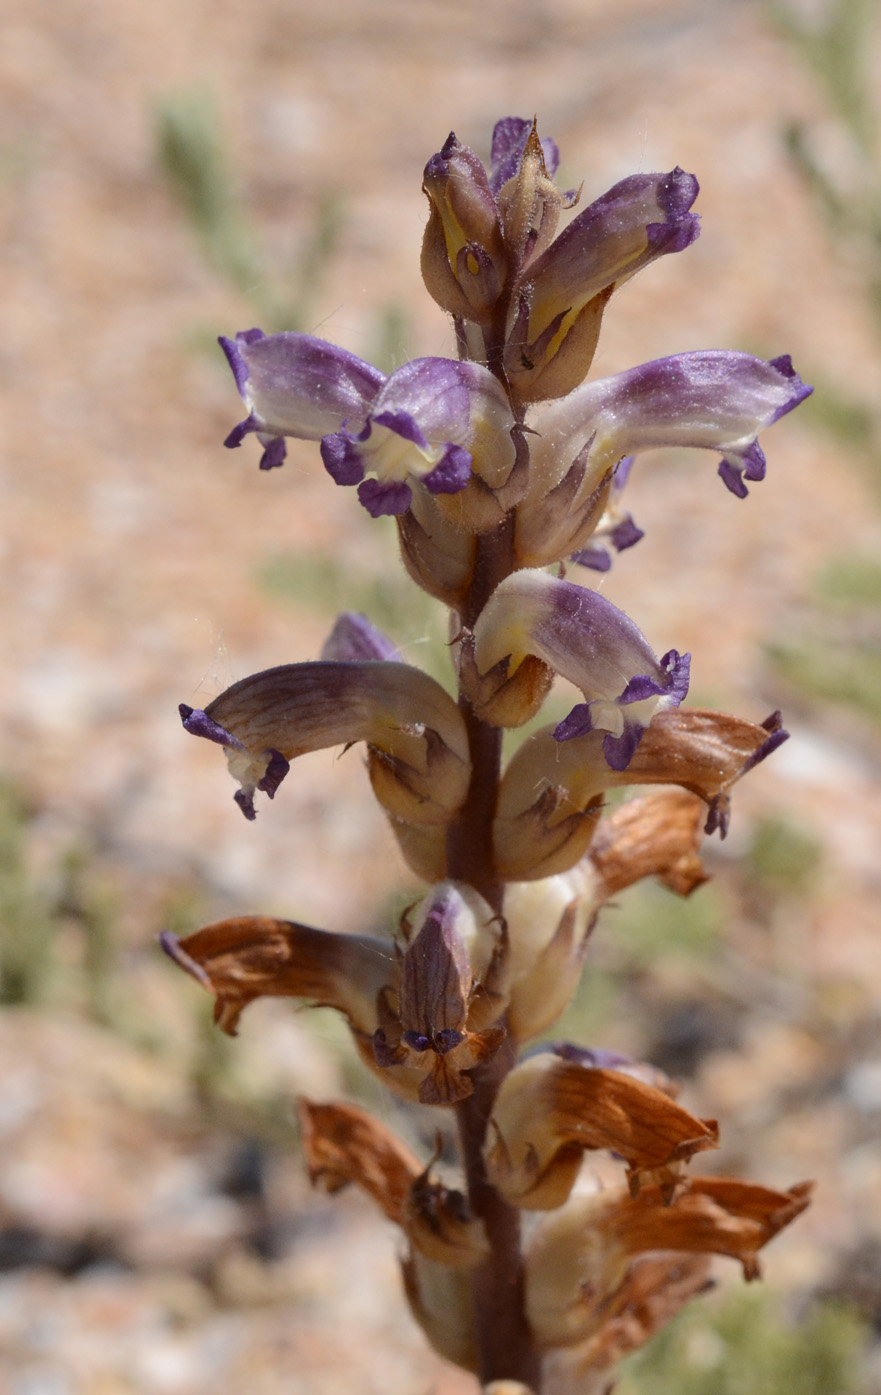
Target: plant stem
504, 1342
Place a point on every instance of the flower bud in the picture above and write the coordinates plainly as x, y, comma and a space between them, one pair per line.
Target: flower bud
554, 338
549, 923
530, 202
463, 263
438, 1021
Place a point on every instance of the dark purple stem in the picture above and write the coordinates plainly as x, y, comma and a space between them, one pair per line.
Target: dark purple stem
505, 1346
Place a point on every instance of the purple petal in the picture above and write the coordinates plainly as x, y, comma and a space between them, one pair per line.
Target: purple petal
243, 429
710, 399
235, 357
640, 218
679, 668
297, 385
198, 723
578, 723
353, 639
341, 458
276, 770
619, 750
379, 498
753, 460
776, 739
625, 534
732, 478
245, 801
403, 425
596, 558
508, 143
451, 473
274, 454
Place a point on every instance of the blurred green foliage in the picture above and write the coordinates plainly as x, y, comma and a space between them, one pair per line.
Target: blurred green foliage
837, 656
192, 154
836, 41
742, 1343
27, 924
782, 858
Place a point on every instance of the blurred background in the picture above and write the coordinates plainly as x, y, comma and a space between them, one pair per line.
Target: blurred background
184, 168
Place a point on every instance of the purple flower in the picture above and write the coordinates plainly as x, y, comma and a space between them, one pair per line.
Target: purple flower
565, 289
715, 399
434, 420
586, 639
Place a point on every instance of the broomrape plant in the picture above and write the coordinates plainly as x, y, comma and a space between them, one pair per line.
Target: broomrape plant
500, 467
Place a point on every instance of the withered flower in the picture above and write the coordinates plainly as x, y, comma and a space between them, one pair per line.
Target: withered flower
550, 794
579, 1261
550, 1110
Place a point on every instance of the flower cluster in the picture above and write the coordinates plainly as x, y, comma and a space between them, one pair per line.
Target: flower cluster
497, 466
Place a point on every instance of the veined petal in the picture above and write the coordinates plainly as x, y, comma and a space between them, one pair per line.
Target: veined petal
435, 420
297, 385
417, 744
588, 640
549, 1110
251, 957
713, 399
653, 1291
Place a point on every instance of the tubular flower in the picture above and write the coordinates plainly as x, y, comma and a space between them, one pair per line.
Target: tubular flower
550, 918
417, 748
433, 420
586, 639
712, 399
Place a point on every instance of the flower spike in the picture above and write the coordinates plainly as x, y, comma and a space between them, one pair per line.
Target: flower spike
499, 467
